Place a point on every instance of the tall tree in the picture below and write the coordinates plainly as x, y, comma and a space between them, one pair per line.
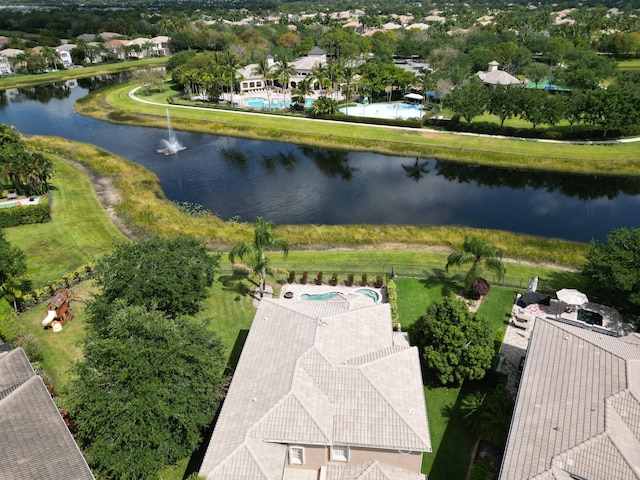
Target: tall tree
144, 391
254, 251
613, 269
172, 276
13, 266
264, 69
455, 343
482, 254
469, 100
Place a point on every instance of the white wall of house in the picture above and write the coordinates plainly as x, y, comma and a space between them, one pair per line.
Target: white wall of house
5, 67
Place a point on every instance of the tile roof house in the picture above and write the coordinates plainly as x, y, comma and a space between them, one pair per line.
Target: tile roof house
303, 66
322, 388
35, 443
577, 413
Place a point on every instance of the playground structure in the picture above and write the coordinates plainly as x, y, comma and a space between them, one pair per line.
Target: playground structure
58, 311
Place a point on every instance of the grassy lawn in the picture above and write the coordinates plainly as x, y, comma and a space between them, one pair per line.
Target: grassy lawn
451, 442
631, 64
62, 348
80, 229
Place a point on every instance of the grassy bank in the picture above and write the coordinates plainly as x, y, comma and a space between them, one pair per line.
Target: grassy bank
19, 81
116, 106
146, 211
80, 229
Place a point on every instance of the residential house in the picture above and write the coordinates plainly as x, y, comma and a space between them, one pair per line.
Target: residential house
323, 389
303, 66
577, 412
64, 52
10, 56
5, 66
36, 443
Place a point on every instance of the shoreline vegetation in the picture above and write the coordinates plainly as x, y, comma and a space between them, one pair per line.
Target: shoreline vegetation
144, 209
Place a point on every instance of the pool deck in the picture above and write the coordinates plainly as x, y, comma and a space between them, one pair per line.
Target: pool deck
297, 290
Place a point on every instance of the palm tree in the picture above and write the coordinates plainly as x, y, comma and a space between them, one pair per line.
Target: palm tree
264, 68
283, 73
335, 75
303, 90
482, 254
320, 73
263, 240
348, 75
231, 65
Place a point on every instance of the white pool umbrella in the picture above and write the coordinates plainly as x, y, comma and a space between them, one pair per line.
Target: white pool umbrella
533, 286
571, 296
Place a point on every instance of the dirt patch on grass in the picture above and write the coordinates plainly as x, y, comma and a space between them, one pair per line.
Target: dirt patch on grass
108, 196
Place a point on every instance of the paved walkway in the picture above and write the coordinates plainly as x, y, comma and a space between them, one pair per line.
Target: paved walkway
514, 346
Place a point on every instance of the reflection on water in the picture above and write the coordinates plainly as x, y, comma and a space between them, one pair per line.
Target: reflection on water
306, 185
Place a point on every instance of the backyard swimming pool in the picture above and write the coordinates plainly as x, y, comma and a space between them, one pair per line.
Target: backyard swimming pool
401, 110
366, 292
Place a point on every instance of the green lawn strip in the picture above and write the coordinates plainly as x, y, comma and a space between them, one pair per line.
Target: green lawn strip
18, 81
631, 64
80, 229
619, 159
451, 442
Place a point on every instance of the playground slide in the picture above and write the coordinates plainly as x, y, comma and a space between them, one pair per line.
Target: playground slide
51, 315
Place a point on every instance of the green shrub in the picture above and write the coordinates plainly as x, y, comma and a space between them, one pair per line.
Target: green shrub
319, 279
31, 347
334, 280
292, 276
364, 280
10, 327
480, 471
349, 279
12, 217
305, 276
379, 281
392, 298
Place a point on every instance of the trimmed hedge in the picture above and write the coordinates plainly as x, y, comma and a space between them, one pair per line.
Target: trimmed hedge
12, 217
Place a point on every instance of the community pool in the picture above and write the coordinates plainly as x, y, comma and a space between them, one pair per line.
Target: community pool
367, 292
402, 110
263, 103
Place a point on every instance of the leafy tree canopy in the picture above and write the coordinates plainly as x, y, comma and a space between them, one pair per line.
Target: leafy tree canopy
171, 275
456, 344
613, 269
144, 391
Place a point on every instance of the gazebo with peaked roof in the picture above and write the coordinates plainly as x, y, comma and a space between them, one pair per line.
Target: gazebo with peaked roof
494, 76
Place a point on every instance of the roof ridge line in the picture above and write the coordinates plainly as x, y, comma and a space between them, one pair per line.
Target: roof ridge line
392, 407
304, 406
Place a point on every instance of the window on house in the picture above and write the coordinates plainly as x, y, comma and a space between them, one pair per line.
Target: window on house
339, 453
296, 455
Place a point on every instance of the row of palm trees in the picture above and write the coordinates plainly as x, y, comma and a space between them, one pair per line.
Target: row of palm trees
218, 73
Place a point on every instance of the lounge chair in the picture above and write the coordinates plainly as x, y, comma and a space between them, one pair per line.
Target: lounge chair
521, 318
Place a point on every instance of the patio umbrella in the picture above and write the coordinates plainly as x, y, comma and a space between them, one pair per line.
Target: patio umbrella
533, 286
571, 296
